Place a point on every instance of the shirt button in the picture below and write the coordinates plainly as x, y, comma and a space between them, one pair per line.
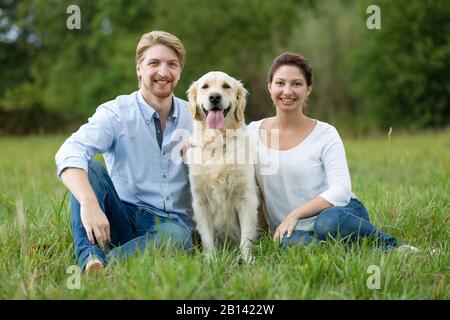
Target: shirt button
147, 122
167, 198
164, 153
164, 176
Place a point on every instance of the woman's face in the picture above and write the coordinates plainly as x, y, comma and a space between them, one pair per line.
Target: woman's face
288, 88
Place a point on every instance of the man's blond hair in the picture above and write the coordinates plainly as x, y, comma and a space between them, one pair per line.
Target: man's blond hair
154, 38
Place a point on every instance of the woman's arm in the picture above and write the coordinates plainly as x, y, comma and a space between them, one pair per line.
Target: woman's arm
306, 210
339, 186
336, 170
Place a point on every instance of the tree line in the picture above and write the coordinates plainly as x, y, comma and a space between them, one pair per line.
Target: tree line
52, 78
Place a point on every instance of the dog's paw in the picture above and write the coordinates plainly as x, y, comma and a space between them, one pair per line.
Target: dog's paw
209, 256
248, 258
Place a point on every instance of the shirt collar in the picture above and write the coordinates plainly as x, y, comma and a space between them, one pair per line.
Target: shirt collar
148, 110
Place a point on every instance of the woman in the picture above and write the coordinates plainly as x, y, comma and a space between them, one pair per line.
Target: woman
308, 191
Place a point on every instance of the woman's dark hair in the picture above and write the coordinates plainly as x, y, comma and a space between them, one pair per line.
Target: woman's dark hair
291, 59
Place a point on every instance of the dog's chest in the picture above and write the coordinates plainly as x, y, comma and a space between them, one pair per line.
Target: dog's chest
221, 190
226, 180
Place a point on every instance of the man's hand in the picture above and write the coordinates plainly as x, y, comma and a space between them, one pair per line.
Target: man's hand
93, 218
95, 223
285, 228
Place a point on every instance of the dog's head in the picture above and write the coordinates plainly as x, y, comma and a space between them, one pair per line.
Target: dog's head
217, 99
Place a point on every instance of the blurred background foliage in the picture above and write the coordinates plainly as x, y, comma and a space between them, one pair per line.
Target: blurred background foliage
365, 81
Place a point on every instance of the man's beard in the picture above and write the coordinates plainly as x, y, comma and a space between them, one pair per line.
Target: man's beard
158, 93
161, 94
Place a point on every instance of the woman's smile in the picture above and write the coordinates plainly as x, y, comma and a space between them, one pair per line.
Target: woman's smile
288, 101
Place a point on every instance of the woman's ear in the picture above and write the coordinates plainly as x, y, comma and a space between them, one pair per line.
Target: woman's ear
241, 101
192, 98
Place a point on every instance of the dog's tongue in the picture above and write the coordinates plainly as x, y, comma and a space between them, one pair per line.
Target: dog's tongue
215, 119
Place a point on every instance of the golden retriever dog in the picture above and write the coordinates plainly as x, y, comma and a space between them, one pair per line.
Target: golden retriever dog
223, 185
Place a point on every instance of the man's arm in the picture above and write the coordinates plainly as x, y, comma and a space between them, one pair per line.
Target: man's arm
72, 165
93, 218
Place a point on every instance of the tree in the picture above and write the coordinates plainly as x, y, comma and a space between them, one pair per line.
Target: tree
400, 72
70, 72
328, 35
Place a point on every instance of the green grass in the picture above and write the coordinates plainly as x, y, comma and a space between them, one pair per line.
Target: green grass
403, 182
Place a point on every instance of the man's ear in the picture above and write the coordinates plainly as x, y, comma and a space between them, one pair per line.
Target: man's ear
192, 98
138, 76
241, 101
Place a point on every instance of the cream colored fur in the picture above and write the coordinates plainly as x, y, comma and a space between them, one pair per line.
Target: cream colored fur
225, 194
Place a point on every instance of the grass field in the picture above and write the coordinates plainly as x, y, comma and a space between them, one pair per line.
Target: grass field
403, 181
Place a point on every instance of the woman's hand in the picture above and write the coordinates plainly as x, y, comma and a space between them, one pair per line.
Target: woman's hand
286, 227
307, 210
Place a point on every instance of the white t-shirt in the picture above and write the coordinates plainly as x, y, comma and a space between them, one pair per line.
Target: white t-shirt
315, 167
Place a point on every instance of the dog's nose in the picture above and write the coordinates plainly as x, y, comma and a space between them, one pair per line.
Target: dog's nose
215, 98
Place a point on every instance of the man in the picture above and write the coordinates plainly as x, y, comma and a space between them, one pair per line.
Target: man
143, 199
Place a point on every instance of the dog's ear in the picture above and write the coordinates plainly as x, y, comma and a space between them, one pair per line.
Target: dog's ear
192, 98
241, 101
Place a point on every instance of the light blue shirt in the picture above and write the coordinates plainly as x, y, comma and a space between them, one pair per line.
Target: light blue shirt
144, 173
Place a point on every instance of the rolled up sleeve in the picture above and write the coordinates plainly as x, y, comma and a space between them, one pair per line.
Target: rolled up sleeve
96, 136
337, 173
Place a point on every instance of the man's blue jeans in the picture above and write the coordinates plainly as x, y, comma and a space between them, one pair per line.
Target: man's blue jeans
350, 222
132, 228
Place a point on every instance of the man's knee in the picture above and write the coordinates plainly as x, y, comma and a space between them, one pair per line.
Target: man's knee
95, 168
175, 234
97, 175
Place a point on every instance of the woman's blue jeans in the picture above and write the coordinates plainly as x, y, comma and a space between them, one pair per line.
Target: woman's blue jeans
350, 222
132, 228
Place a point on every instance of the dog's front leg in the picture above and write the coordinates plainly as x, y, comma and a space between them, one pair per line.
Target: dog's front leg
205, 229
248, 220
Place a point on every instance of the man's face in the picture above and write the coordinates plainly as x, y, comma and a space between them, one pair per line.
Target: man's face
159, 71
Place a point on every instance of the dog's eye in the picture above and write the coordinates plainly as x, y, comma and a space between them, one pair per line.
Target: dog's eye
226, 86
205, 86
